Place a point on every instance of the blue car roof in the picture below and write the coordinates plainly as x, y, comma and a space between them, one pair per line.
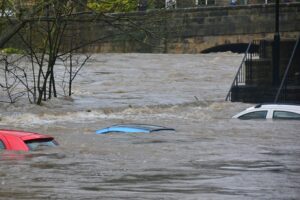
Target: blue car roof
133, 128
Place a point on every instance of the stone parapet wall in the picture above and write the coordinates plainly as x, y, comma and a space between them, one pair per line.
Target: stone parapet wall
196, 29
189, 30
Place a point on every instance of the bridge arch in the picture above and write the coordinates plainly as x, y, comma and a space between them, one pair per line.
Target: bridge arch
235, 48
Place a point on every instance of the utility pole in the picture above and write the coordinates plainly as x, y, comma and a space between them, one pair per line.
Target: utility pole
276, 48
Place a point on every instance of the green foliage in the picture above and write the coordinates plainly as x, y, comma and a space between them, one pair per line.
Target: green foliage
117, 5
11, 51
113, 5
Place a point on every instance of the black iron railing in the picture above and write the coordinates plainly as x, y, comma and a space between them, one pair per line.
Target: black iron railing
282, 90
244, 72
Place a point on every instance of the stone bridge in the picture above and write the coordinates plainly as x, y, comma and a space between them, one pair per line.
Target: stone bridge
196, 30
199, 30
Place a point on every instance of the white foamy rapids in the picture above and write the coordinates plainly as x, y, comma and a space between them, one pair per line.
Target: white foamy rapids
136, 83
190, 111
30, 119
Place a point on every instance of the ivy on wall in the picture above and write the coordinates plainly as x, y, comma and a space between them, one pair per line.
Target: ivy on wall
123, 5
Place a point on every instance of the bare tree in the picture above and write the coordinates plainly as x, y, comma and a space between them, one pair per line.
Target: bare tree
44, 29
14, 76
73, 63
41, 32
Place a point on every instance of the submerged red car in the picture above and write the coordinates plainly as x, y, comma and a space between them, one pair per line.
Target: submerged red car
24, 141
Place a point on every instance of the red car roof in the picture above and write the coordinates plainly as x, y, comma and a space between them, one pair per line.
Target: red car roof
16, 140
23, 134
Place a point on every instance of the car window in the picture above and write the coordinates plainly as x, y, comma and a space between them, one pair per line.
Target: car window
255, 115
285, 115
34, 144
2, 146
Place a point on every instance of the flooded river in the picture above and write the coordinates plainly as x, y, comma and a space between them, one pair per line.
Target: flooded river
209, 156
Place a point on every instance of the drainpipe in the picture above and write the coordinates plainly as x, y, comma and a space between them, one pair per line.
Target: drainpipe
276, 47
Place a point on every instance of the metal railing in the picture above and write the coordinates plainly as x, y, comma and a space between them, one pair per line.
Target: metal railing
204, 2
282, 90
244, 72
234, 2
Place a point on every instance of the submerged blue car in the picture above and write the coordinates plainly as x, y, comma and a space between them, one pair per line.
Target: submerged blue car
133, 128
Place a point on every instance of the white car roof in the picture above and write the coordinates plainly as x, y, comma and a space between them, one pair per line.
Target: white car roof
276, 106
260, 107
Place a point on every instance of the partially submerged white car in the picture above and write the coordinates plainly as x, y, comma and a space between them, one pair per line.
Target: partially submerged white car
270, 111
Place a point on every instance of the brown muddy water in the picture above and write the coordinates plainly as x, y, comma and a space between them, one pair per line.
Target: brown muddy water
209, 156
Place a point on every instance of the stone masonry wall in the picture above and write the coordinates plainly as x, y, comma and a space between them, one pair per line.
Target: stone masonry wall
189, 30
196, 29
